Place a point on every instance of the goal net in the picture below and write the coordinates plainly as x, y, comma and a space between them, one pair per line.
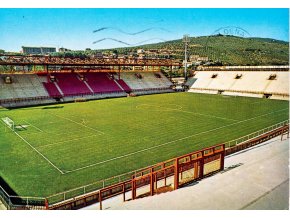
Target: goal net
8, 122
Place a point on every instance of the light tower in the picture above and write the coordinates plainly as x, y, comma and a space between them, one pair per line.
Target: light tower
185, 40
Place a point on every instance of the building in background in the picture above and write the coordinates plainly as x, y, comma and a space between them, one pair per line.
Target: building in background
37, 50
62, 49
194, 58
140, 51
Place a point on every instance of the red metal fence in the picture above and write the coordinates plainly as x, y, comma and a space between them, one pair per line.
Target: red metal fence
262, 138
149, 181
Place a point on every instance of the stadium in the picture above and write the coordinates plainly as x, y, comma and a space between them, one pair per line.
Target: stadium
79, 130
74, 144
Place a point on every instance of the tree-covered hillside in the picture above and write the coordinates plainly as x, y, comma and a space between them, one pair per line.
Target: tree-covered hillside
230, 50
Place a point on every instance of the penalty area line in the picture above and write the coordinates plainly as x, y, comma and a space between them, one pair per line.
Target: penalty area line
166, 143
39, 153
33, 126
69, 140
77, 123
184, 111
206, 115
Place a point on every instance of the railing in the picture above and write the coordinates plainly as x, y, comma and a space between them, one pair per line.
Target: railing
151, 89
170, 175
15, 100
90, 188
39, 98
243, 68
256, 134
22, 203
241, 91
260, 139
29, 99
67, 61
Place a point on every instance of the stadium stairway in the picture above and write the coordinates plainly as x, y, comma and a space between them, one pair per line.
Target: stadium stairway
52, 89
124, 86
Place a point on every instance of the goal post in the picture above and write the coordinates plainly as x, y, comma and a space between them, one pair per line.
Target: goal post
8, 122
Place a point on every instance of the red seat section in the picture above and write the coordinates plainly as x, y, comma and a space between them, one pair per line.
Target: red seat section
100, 82
51, 89
124, 85
70, 84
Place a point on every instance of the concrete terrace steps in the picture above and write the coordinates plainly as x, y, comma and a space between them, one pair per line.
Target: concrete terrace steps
148, 81
251, 84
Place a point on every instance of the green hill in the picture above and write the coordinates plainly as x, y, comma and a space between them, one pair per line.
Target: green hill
230, 50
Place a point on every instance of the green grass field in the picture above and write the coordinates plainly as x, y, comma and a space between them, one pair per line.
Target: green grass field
69, 145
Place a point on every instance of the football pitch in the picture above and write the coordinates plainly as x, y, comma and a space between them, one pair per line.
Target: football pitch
60, 147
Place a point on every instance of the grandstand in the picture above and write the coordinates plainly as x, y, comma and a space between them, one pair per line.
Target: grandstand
269, 84
43, 88
33, 89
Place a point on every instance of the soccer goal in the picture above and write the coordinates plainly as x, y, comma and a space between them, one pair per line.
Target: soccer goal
8, 122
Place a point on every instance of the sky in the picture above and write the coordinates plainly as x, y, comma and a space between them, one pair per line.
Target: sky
73, 28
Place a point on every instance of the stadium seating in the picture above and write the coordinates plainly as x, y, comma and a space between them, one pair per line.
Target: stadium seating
124, 86
52, 89
101, 82
148, 81
22, 86
279, 85
33, 89
251, 81
70, 84
242, 83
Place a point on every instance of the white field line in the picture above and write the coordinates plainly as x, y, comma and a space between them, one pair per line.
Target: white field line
33, 126
257, 102
77, 123
179, 109
157, 106
63, 134
69, 140
39, 153
29, 134
166, 143
207, 115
